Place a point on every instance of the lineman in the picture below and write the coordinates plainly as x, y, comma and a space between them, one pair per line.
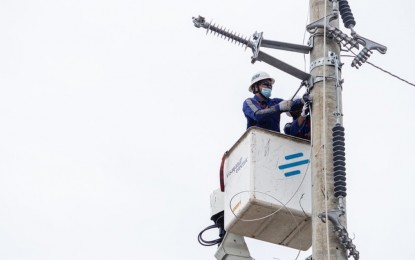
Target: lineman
294, 112
261, 110
301, 125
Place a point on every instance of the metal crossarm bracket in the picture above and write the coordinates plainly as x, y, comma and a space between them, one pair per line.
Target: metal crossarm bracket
286, 46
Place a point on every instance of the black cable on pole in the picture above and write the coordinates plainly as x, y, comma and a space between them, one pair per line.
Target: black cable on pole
208, 242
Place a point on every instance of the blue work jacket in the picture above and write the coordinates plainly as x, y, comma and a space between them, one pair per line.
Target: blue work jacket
262, 113
303, 130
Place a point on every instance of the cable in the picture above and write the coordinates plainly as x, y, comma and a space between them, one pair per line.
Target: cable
299, 251
305, 32
379, 68
324, 127
256, 219
207, 242
275, 212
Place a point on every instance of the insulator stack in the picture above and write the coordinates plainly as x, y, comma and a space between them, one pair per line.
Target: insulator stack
229, 35
346, 14
361, 58
201, 22
339, 161
343, 39
347, 242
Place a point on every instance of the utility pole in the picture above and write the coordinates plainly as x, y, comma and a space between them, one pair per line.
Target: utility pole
330, 239
325, 243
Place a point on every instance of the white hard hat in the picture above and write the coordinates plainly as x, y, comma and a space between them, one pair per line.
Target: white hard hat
258, 77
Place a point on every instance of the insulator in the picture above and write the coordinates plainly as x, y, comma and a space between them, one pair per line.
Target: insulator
346, 14
338, 138
339, 148
339, 161
223, 32
338, 131
338, 143
361, 58
339, 158
339, 153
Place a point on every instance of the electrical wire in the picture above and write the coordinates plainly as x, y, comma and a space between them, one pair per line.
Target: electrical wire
379, 68
255, 219
299, 251
284, 205
305, 32
211, 242
208, 242
324, 127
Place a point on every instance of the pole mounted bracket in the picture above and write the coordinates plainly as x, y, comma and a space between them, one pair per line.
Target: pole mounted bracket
345, 40
330, 60
322, 23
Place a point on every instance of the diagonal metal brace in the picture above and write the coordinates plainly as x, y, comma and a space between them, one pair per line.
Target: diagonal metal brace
293, 71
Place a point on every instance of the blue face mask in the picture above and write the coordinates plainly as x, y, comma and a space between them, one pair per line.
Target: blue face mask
266, 92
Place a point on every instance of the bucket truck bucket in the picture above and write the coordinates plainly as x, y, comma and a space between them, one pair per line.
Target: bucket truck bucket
267, 177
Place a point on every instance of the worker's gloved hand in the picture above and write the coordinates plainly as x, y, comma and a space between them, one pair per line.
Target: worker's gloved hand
285, 105
306, 109
307, 98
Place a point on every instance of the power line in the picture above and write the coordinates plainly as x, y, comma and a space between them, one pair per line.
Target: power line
379, 68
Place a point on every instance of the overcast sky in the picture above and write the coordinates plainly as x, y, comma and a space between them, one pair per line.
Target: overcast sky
114, 116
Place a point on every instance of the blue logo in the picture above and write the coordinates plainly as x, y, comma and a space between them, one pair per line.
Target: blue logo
291, 164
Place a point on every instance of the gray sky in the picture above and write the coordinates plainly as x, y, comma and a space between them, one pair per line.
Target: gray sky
115, 114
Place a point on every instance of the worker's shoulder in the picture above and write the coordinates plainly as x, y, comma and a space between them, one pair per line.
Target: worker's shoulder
250, 99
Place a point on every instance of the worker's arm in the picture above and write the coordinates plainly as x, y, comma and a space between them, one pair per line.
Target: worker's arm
297, 126
300, 120
306, 109
253, 111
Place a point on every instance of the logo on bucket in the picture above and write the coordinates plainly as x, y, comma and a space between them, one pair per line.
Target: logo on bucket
238, 166
292, 162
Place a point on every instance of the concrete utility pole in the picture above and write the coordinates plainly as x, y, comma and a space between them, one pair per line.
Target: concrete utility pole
325, 243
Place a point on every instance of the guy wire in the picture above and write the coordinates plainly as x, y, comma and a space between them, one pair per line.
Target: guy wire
381, 69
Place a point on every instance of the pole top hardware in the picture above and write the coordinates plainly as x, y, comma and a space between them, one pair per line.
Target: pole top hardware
330, 60
255, 42
347, 41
